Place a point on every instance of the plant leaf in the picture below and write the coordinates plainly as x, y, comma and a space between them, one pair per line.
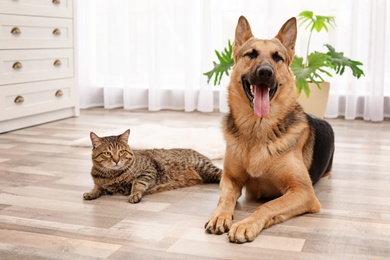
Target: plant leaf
316, 22
338, 62
311, 72
226, 61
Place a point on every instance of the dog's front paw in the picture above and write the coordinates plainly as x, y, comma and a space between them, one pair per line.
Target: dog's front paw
244, 231
219, 224
135, 197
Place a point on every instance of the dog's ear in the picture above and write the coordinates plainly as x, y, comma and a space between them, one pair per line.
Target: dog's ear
287, 35
243, 31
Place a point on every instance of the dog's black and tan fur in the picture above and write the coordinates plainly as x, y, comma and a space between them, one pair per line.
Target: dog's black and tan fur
273, 148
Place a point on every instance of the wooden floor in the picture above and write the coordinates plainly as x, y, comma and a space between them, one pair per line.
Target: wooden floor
43, 215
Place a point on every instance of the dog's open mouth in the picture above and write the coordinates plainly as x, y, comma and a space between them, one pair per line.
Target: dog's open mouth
259, 97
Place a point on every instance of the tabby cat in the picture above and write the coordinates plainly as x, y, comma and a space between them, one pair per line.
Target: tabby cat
119, 169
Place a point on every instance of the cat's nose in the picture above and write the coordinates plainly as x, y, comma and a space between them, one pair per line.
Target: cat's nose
115, 158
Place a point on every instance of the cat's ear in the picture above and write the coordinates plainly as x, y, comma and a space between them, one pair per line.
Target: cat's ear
96, 140
125, 136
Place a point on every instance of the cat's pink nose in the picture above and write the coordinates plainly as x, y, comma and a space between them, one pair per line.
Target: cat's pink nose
115, 159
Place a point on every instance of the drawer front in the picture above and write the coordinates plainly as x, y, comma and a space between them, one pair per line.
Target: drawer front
18, 66
19, 32
35, 98
50, 8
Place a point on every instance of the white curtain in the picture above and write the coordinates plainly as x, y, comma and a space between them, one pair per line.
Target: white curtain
152, 54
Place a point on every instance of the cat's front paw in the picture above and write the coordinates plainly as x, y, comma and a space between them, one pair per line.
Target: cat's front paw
90, 195
135, 197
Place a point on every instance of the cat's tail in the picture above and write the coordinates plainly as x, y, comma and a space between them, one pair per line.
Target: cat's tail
209, 172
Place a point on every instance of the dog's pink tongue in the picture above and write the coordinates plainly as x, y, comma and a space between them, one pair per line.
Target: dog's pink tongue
261, 101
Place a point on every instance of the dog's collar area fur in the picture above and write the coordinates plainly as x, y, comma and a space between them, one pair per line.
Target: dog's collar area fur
248, 91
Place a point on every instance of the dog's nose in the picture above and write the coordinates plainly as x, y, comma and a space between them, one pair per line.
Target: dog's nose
265, 72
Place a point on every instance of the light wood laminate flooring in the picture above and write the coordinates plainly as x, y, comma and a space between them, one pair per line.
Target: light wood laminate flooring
43, 215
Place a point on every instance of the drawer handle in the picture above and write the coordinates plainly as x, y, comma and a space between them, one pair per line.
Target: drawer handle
57, 63
57, 31
56, 2
59, 93
17, 65
19, 99
16, 31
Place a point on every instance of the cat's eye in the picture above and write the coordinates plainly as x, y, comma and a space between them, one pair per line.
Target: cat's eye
107, 154
121, 152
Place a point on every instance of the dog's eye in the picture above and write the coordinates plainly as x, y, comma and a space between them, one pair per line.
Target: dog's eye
277, 57
252, 55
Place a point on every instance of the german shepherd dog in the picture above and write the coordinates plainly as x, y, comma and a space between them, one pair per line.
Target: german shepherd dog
273, 148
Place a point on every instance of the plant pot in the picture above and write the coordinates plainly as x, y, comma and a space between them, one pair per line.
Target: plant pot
317, 101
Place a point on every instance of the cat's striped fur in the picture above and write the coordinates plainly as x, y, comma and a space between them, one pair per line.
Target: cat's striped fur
119, 169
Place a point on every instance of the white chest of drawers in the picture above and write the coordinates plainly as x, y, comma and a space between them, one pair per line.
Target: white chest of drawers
37, 62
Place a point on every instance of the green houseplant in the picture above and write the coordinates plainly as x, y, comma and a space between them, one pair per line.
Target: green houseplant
315, 64
310, 68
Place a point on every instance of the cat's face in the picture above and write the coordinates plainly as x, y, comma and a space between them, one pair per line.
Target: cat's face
111, 152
